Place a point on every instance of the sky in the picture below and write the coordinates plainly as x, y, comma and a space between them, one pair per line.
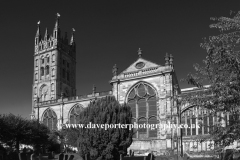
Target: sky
108, 32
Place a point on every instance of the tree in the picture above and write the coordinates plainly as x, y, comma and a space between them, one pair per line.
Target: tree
100, 143
221, 70
37, 134
15, 130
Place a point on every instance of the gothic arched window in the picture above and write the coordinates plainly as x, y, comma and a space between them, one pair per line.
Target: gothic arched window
47, 70
42, 71
53, 72
68, 76
50, 119
52, 86
143, 101
36, 63
53, 58
36, 76
63, 73
35, 90
74, 114
48, 59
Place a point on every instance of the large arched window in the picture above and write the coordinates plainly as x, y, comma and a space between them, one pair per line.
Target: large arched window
74, 114
50, 119
143, 101
199, 121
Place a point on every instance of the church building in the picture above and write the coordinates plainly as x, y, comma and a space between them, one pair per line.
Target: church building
149, 88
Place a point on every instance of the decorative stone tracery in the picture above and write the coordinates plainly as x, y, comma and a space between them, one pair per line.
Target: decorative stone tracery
142, 99
74, 116
50, 119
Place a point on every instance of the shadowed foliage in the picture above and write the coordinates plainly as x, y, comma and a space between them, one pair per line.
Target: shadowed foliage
15, 130
221, 70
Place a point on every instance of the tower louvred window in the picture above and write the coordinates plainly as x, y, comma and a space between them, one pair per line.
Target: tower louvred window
36, 63
42, 71
52, 87
53, 58
53, 72
68, 76
63, 73
47, 70
36, 76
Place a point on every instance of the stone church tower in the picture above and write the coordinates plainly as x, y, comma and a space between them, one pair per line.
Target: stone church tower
54, 66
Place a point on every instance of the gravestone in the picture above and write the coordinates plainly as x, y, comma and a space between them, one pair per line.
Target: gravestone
66, 157
236, 156
34, 156
1, 155
40, 156
53, 154
71, 157
61, 156
22, 156
14, 155
50, 155
28, 155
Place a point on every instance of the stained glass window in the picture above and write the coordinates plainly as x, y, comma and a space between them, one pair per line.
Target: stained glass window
50, 119
143, 101
75, 114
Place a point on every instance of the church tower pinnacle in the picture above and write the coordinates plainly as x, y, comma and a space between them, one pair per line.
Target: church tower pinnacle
46, 36
38, 34
56, 30
72, 41
139, 52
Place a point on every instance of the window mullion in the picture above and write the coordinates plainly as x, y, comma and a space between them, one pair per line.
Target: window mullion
147, 117
136, 101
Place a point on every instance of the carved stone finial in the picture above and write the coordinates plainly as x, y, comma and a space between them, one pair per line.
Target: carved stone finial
38, 31
167, 59
94, 89
139, 52
58, 15
72, 41
115, 70
171, 60
57, 25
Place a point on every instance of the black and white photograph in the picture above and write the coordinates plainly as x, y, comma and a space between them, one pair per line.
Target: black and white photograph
120, 80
